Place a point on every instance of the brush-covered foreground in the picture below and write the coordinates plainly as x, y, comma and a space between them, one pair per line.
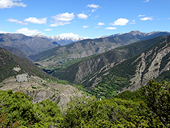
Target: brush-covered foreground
148, 107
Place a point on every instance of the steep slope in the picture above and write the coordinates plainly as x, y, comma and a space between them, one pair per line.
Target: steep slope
27, 44
63, 56
83, 71
8, 63
128, 74
20, 74
131, 74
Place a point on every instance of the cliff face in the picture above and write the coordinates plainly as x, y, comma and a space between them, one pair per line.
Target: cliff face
152, 64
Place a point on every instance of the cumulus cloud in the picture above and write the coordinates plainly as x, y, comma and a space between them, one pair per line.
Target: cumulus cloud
120, 21
11, 3
133, 22
82, 16
64, 16
36, 21
17, 21
28, 32
101, 23
111, 28
47, 29
93, 6
85, 26
146, 18
62, 19
69, 35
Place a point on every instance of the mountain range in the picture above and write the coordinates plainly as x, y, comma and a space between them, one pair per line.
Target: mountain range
63, 56
104, 66
60, 39
124, 68
27, 44
135, 59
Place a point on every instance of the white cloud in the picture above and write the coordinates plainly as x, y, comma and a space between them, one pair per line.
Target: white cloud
58, 23
64, 17
133, 22
36, 21
16, 21
47, 29
85, 26
101, 23
3, 32
146, 18
69, 35
141, 15
82, 16
120, 21
11, 3
28, 32
92, 6
111, 28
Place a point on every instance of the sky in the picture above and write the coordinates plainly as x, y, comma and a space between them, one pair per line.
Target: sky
83, 18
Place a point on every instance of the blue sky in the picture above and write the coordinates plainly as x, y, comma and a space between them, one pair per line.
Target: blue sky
83, 18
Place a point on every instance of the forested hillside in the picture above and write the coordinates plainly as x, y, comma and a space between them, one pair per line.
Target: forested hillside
8, 62
148, 107
103, 78
83, 70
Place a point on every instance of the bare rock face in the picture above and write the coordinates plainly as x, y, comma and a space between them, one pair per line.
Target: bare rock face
86, 68
149, 66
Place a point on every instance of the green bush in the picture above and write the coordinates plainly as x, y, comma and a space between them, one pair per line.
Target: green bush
18, 110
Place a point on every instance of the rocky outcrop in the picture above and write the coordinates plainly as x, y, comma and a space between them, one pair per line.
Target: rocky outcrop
40, 90
149, 66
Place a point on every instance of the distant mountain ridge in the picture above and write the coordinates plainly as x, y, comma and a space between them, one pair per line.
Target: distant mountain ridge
60, 39
26, 44
65, 55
